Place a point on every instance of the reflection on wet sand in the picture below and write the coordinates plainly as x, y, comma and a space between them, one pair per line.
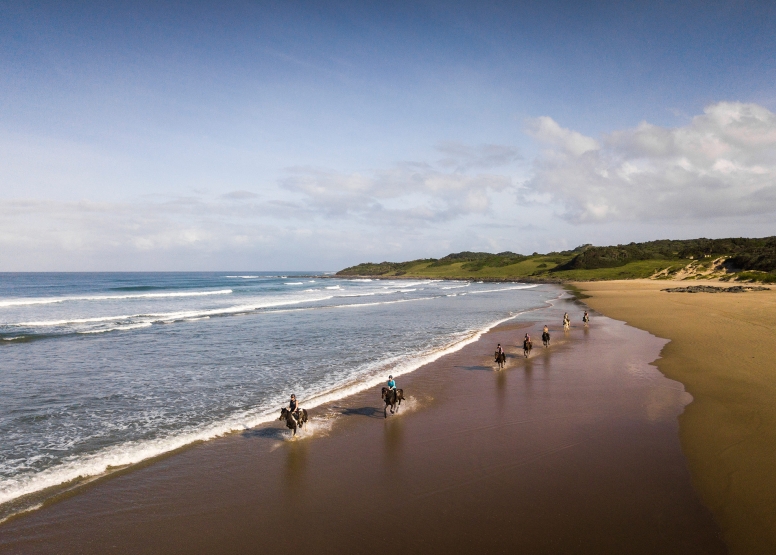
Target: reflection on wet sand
295, 465
393, 434
501, 390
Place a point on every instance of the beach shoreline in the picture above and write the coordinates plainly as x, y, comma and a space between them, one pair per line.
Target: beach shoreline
721, 349
40, 498
572, 450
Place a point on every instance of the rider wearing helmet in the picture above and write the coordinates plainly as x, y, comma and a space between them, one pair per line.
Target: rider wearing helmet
391, 383
499, 350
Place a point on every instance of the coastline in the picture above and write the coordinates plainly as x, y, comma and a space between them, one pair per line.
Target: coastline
721, 349
34, 498
572, 450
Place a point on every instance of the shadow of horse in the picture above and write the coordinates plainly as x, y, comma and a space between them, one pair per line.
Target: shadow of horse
475, 368
369, 412
266, 433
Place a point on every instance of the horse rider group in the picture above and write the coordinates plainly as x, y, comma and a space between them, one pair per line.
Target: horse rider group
294, 408
546, 332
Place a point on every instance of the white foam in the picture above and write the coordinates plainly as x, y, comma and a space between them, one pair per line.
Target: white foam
244, 277
123, 455
359, 305
334, 287
522, 286
52, 300
174, 316
294, 283
408, 284
120, 328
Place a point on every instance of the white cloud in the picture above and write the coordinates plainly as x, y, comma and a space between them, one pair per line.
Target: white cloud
723, 163
547, 130
416, 193
314, 217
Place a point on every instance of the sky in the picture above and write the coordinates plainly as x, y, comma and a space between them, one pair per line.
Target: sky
289, 135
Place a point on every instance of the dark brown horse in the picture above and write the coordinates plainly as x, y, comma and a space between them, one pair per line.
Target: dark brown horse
291, 421
392, 398
546, 338
501, 359
527, 346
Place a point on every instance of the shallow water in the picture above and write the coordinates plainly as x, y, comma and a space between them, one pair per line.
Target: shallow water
105, 370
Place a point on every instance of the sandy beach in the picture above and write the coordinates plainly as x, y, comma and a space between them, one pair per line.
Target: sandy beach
722, 349
574, 450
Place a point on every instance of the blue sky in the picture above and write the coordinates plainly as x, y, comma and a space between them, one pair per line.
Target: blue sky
253, 135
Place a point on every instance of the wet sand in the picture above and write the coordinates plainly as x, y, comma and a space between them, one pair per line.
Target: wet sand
575, 450
722, 349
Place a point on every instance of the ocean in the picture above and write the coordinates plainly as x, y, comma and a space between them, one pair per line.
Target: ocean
104, 370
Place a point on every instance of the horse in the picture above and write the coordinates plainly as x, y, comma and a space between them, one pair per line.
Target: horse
392, 398
501, 358
566, 323
546, 338
527, 346
291, 422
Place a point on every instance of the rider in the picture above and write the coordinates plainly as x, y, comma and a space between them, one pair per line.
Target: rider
499, 350
546, 329
526, 339
586, 318
391, 383
566, 319
293, 407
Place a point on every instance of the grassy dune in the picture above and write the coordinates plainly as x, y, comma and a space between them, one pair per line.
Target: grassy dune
725, 259
533, 268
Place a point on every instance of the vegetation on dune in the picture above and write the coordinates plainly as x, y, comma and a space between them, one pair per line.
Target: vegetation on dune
744, 253
744, 259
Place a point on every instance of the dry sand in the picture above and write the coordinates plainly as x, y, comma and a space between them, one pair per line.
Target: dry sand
574, 450
723, 349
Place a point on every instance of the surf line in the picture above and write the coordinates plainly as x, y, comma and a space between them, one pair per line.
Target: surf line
118, 457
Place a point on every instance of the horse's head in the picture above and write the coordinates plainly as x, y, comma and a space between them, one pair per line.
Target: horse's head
384, 392
283, 413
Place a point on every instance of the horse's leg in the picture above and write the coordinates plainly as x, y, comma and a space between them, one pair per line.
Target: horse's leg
385, 411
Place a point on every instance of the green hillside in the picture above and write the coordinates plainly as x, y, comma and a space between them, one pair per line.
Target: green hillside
737, 258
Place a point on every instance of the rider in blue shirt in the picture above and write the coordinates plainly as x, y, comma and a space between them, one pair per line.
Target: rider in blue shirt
391, 383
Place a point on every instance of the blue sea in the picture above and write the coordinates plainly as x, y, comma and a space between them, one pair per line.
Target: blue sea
104, 370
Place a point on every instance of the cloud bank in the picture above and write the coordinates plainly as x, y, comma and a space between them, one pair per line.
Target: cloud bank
722, 164
311, 210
